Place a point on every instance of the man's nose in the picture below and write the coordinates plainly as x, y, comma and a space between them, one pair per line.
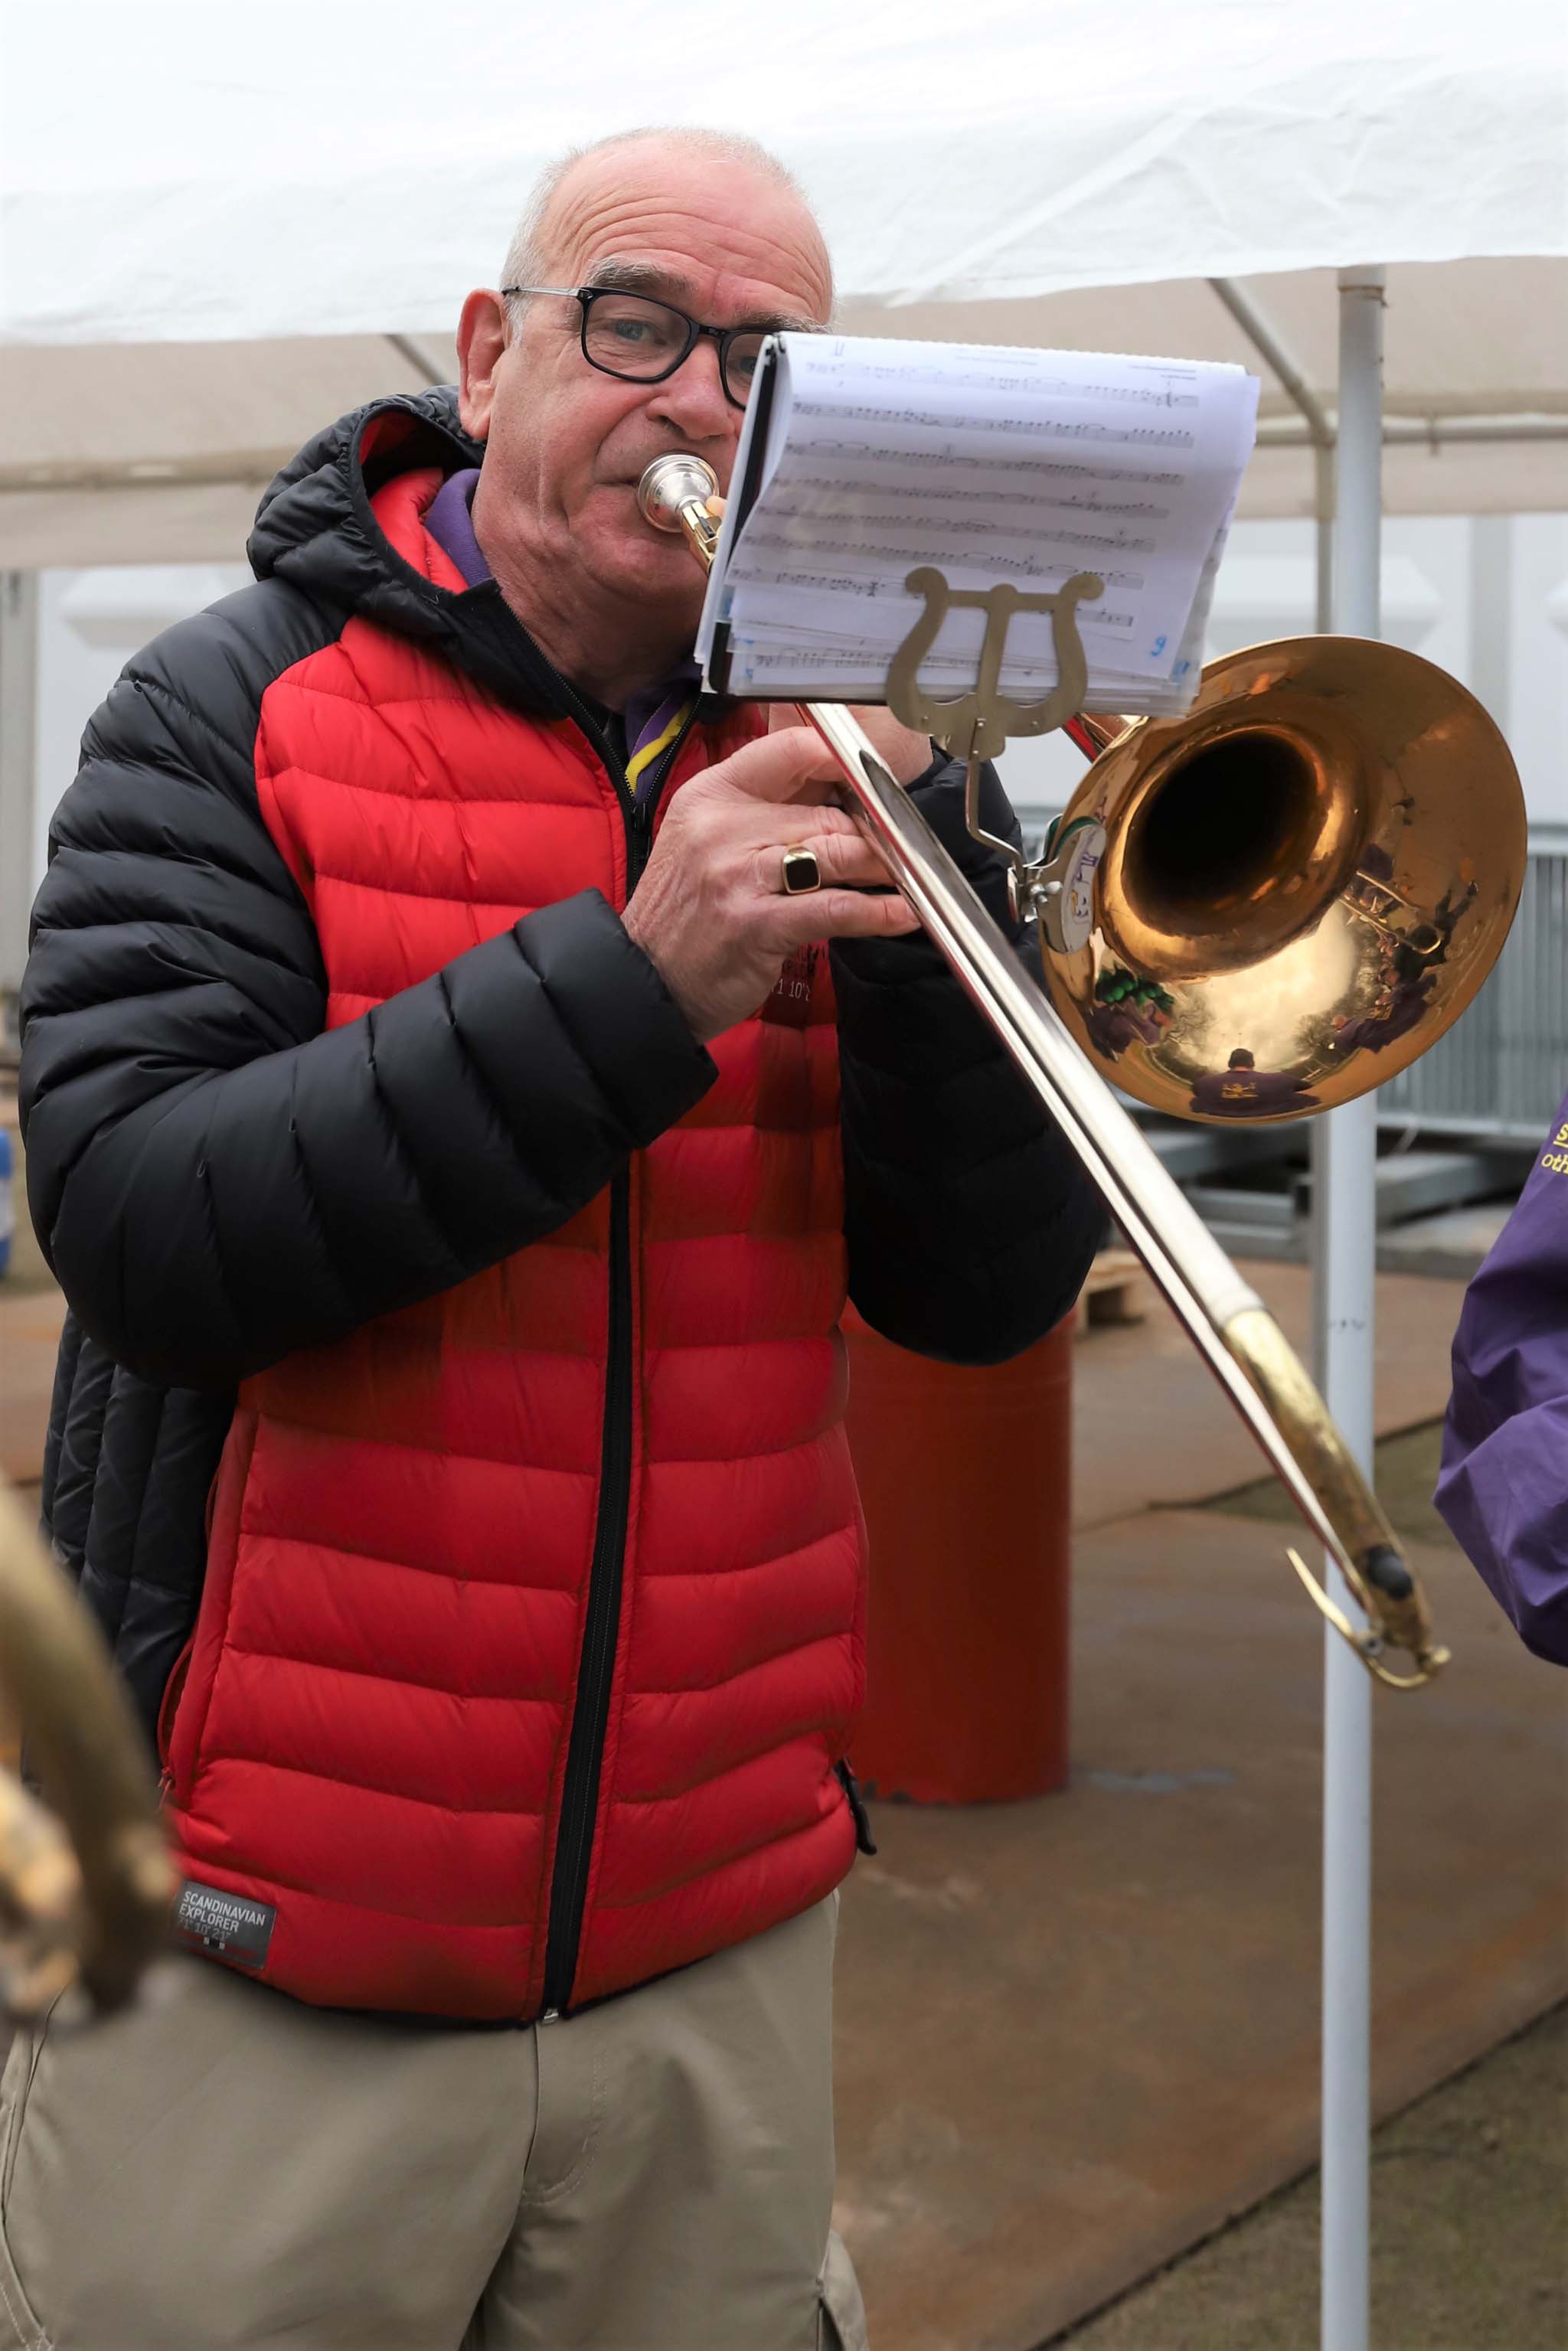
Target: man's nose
693, 401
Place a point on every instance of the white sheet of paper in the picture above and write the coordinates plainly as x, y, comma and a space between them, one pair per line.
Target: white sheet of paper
992, 464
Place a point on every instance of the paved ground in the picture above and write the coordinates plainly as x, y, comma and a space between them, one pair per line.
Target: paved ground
1406, 1473
1151, 1426
1077, 2035
1469, 2185
1469, 2232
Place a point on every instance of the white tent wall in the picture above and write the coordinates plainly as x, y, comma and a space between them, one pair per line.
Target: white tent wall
1485, 597
88, 625
156, 451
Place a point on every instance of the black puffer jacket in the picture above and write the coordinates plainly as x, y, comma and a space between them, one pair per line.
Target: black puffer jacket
208, 1171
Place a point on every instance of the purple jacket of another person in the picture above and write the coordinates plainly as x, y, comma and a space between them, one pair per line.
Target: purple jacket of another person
1503, 1488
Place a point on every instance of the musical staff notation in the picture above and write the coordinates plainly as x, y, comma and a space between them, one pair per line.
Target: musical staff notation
867, 458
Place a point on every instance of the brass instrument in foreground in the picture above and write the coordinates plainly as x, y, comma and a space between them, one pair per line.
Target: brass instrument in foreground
1302, 884
1295, 796
84, 1897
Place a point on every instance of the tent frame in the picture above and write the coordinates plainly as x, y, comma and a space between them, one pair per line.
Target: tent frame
1349, 502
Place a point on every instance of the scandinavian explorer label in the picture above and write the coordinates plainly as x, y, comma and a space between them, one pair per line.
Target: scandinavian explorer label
231, 1925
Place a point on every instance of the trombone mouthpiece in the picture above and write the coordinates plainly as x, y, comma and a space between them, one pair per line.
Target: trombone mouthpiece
669, 484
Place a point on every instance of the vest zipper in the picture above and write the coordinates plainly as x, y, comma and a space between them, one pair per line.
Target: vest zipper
596, 1666
596, 1663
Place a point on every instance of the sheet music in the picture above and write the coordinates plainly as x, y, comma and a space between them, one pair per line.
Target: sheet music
993, 464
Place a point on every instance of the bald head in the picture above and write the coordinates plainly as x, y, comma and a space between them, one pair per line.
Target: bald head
540, 252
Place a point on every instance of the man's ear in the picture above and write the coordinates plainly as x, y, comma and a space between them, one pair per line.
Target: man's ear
481, 340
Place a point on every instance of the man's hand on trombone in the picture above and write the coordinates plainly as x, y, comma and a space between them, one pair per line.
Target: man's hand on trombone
713, 912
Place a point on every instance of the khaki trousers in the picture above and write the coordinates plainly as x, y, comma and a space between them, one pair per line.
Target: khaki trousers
223, 2166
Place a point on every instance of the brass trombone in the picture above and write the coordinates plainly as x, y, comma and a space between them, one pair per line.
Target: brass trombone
1255, 911
84, 1895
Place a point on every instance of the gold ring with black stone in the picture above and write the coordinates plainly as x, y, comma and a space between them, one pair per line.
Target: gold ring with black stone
802, 872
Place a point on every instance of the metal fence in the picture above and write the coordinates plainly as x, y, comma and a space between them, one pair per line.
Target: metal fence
1503, 1069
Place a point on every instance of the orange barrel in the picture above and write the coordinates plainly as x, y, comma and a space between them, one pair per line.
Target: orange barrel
965, 1474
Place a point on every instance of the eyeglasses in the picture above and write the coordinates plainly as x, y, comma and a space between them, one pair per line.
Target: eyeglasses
632, 336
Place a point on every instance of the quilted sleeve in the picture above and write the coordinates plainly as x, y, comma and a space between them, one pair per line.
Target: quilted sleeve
970, 1222
214, 1180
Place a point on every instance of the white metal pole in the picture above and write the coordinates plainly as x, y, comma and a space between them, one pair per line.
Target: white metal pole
1345, 1157
18, 692
1324, 493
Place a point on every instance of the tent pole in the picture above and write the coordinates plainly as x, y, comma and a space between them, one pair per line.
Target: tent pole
18, 698
1276, 354
1344, 1150
1434, 433
1322, 508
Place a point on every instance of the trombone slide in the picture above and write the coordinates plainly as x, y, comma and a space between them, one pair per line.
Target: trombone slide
1241, 1342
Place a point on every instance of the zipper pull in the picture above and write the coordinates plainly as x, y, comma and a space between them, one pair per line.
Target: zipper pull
864, 1842
641, 840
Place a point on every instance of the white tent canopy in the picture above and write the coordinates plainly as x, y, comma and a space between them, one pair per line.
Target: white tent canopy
180, 172
257, 201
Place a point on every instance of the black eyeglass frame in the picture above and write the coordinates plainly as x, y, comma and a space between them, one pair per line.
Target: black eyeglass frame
725, 337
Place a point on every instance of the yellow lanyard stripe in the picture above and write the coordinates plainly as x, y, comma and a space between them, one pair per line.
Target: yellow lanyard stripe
650, 751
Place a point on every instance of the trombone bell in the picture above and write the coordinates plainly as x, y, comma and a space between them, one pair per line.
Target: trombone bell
1303, 883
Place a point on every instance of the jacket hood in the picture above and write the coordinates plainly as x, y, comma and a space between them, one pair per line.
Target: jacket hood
315, 527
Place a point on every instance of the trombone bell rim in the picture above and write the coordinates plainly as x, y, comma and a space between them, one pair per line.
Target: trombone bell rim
1305, 881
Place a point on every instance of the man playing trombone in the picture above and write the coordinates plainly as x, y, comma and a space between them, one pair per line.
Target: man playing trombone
466, 1066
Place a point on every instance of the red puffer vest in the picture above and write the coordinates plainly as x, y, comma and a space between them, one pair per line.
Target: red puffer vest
532, 1626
